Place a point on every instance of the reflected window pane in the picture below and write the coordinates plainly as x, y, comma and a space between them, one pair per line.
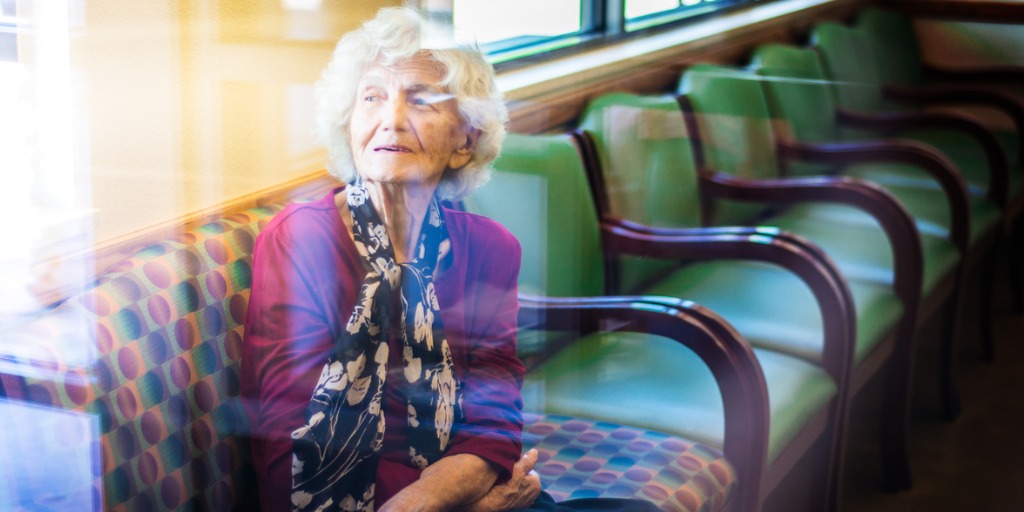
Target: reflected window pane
51, 459
637, 8
40, 143
641, 14
523, 22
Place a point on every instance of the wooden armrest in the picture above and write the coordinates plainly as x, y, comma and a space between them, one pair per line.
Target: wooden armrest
825, 282
898, 225
1008, 104
893, 123
752, 232
900, 151
728, 356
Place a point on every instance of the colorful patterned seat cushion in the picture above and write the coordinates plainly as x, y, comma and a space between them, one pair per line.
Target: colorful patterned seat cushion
582, 458
166, 326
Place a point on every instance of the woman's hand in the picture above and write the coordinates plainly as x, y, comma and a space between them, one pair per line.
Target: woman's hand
448, 484
519, 491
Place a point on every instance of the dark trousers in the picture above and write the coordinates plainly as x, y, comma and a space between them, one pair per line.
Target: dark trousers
544, 503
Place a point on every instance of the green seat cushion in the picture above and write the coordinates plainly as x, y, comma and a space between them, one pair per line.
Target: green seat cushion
1017, 180
963, 150
858, 246
1010, 141
926, 202
654, 383
793, 325
584, 458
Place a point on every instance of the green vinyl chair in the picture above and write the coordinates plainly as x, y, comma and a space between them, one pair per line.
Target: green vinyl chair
860, 88
907, 78
739, 150
643, 157
899, 81
903, 62
638, 156
540, 192
934, 193
908, 82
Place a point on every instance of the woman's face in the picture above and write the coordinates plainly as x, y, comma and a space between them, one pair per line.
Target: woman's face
405, 128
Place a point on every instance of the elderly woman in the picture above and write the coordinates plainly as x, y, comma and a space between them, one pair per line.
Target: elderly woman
379, 364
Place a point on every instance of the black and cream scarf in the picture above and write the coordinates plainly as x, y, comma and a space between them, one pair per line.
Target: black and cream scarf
335, 454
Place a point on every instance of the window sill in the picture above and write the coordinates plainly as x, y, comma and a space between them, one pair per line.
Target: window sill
529, 87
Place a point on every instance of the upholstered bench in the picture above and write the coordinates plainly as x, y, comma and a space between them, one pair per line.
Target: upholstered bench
150, 356
164, 331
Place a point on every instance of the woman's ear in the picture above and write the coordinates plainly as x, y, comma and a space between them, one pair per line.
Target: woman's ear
464, 153
472, 135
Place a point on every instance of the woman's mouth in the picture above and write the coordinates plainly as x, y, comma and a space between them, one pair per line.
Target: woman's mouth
393, 149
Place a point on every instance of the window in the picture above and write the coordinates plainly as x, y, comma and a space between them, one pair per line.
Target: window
44, 190
511, 30
8, 32
507, 30
641, 14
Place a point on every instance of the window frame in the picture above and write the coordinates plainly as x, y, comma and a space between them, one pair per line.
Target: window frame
603, 22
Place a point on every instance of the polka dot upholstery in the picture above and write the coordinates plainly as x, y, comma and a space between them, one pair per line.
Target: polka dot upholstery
165, 330
152, 351
583, 459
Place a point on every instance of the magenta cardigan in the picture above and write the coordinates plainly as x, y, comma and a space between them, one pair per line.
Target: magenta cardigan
306, 274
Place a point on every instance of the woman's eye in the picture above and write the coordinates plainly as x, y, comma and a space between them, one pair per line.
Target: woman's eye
420, 102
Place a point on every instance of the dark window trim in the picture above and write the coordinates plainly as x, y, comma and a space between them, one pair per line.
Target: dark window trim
564, 46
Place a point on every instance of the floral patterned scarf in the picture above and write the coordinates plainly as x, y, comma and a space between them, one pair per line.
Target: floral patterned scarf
335, 454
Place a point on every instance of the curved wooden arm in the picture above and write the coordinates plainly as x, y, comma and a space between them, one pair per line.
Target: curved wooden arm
1008, 104
900, 151
752, 232
899, 227
829, 289
728, 356
892, 123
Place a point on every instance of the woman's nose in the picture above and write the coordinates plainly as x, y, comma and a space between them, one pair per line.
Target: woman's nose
395, 115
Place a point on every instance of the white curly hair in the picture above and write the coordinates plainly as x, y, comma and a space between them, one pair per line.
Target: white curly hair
398, 34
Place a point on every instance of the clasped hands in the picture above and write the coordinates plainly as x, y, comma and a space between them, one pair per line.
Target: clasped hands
458, 483
521, 490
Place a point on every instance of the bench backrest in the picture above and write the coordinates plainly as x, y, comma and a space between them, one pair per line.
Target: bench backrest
160, 337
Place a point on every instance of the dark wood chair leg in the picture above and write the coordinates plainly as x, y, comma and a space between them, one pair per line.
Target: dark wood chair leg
897, 474
1016, 253
985, 313
949, 357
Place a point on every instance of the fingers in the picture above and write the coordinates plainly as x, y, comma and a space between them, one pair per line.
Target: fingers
529, 459
533, 488
525, 464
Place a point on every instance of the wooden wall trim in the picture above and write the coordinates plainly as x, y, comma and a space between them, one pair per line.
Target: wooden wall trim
985, 11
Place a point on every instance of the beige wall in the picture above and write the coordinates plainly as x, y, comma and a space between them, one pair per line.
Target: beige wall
959, 44
188, 104
970, 43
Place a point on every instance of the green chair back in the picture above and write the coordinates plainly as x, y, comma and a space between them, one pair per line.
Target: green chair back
539, 192
848, 59
800, 95
735, 130
648, 169
896, 47
799, 90
646, 159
